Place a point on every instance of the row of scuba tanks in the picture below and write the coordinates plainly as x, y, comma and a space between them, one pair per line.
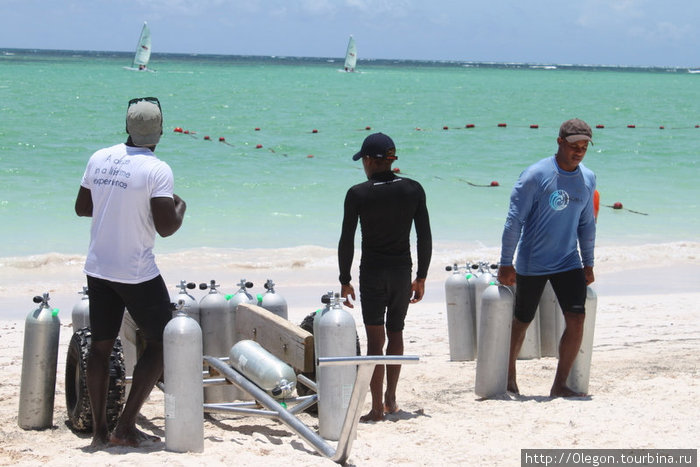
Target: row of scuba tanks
479, 321
204, 327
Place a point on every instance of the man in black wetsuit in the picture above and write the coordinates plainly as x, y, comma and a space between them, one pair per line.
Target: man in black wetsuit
386, 205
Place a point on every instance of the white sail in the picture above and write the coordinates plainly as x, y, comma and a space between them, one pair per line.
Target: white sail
351, 55
143, 49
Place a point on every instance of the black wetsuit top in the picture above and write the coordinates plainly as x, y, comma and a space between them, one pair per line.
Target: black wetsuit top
387, 206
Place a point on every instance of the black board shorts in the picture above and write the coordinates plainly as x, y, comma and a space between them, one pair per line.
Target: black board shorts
385, 290
148, 304
569, 287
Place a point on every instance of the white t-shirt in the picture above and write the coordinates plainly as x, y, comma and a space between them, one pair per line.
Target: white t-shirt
122, 180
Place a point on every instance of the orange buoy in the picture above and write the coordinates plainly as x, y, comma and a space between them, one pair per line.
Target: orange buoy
207, 138
494, 183
222, 139
600, 126
502, 125
469, 125
534, 126
368, 128
314, 130
257, 128
631, 126
187, 132
661, 127
258, 146
309, 156
396, 170
617, 205
178, 130
596, 204
445, 127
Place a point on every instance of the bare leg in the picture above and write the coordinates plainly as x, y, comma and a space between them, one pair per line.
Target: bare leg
98, 386
394, 347
146, 373
568, 349
517, 336
375, 346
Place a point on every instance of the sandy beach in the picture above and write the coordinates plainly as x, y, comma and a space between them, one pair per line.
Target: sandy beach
644, 383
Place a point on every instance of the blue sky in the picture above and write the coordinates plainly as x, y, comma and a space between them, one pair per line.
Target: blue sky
592, 32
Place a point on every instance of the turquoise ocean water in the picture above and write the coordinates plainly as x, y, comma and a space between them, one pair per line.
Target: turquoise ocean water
56, 109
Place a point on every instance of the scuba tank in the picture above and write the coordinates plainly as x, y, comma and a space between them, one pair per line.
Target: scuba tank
460, 319
182, 355
481, 282
581, 369
550, 315
264, 369
39, 362
336, 336
531, 342
218, 335
241, 296
494, 341
190, 304
272, 301
80, 316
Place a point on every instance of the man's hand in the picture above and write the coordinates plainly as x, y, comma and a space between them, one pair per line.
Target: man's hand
345, 291
417, 290
506, 275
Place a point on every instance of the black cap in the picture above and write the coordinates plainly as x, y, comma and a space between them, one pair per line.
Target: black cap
377, 145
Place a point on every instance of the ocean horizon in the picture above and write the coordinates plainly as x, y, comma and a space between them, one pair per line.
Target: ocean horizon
161, 57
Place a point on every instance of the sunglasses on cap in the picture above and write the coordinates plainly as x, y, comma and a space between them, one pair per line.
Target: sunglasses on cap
153, 100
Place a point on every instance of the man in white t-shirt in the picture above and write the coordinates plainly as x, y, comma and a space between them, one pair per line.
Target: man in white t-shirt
128, 192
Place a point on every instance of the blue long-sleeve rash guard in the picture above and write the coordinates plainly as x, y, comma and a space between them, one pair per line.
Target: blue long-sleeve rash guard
550, 214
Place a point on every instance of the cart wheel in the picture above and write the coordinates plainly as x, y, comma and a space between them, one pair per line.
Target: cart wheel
77, 398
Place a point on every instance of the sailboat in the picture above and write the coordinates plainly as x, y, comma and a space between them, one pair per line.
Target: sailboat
143, 51
351, 56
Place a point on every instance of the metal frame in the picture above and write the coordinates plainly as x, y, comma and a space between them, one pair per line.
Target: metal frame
365, 368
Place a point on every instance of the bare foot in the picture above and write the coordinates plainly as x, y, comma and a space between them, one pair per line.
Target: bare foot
391, 408
372, 416
133, 438
513, 386
99, 442
564, 391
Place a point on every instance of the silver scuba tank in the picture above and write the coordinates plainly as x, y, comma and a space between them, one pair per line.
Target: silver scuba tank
264, 369
579, 375
481, 282
39, 362
494, 341
218, 335
327, 300
337, 337
550, 315
272, 301
531, 342
191, 306
80, 315
184, 398
241, 296
460, 319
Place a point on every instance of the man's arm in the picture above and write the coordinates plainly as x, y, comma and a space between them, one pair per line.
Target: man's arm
168, 214
346, 244
83, 203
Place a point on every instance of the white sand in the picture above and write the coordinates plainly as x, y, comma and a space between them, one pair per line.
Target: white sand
644, 377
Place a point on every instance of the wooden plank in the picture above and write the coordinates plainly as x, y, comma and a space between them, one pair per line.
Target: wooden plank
283, 339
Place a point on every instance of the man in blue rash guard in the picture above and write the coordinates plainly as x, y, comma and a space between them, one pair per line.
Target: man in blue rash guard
550, 218
387, 206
